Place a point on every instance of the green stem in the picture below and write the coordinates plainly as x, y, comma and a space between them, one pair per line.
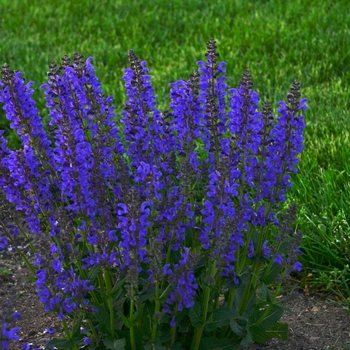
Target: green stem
217, 300
101, 284
83, 274
231, 298
132, 333
241, 258
110, 301
198, 332
66, 328
173, 336
69, 334
92, 328
28, 264
156, 310
165, 292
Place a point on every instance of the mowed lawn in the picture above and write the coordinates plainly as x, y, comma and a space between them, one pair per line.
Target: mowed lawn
279, 41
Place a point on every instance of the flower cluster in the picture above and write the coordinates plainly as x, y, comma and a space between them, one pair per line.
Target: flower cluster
161, 209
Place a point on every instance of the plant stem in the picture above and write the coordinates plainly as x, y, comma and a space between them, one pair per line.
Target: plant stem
173, 336
92, 328
198, 332
217, 300
110, 301
101, 283
156, 309
69, 334
132, 334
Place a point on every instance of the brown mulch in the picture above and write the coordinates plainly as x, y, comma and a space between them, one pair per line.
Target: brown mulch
314, 324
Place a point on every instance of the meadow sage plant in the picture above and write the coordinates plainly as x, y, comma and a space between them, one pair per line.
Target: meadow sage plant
159, 229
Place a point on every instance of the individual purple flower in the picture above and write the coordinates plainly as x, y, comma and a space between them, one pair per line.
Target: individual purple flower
49, 330
297, 266
251, 249
10, 333
266, 249
29, 347
16, 316
278, 259
3, 242
87, 341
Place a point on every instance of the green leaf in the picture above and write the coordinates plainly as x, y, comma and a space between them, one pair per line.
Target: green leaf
118, 299
136, 316
102, 316
147, 295
272, 275
114, 344
239, 326
157, 345
218, 344
265, 293
195, 315
228, 283
250, 308
221, 317
189, 236
117, 288
274, 315
126, 321
248, 339
261, 336
255, 236
77, 324
284, 248
182, 320
93, 273
175, 256
244, 277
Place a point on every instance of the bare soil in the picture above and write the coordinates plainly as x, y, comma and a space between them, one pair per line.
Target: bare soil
315, 323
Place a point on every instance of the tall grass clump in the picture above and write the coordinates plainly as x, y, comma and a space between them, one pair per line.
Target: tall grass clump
163, 231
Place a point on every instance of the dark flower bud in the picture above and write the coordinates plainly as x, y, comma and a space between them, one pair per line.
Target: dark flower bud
246, 81
158, 316
211, 50
66, 61
293, 97
194, 83
209, 280
7, 74
131, 282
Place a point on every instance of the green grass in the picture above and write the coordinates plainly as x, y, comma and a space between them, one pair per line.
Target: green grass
278, 40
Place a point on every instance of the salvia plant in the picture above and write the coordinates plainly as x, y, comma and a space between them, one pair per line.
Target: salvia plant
160, 229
